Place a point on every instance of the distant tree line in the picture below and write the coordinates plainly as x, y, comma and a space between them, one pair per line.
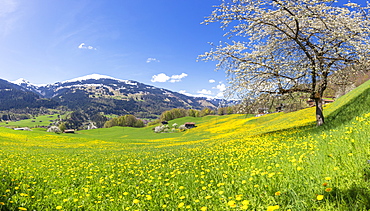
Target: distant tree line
124, 121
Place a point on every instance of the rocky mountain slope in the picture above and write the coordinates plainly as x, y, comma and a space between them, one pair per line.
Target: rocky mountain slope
99, 93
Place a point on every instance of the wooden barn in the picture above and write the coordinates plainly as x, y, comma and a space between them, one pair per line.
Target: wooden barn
189, 125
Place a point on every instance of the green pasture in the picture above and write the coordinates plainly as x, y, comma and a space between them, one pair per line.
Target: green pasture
43, 120
279, 161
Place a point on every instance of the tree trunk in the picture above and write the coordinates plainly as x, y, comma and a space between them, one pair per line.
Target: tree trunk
319, 112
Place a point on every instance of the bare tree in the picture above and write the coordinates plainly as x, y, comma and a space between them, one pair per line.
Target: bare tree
284, 46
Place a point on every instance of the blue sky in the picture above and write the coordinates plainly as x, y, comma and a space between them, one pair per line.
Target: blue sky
153, 42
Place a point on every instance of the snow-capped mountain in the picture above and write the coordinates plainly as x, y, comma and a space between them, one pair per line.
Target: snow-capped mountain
27, 85
101, 93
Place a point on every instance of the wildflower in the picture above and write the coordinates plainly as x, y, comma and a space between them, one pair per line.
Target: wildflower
180, 205
320, 197
135, 201
2, 203
208, 197
22, 208
324, 184
58, 207
327, 178
277, 193
244, 207
203, 208
231, 203
245, 202
272, 208
328, 189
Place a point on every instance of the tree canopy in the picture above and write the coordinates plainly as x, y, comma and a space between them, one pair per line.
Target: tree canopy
284, 46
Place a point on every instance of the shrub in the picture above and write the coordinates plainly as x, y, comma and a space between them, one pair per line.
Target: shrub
182, 128
54, 129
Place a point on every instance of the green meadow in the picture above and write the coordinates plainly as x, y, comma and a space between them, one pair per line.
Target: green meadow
43, 120
280, 161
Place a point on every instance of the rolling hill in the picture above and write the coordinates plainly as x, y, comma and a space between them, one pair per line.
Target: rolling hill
278, 161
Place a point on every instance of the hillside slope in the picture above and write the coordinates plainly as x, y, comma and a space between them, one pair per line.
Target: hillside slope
274, 162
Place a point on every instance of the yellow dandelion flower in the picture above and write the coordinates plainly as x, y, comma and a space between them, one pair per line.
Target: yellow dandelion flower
22, 208
203, 208
245, 202
135, 201
272, 208
328, 189
320, 197
180, 205
58, 207
2, 203
231, 203
277, 193
327, 178
208, 197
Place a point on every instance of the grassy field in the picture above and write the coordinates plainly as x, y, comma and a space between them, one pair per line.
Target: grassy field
43, 120
274, 162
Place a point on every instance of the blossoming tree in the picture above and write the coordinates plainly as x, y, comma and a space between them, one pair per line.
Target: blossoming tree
285, 46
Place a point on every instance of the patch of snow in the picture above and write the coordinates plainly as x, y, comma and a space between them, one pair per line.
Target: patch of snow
92, 76
20, 81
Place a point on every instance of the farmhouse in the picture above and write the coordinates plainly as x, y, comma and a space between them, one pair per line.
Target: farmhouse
69, 131
189, 125
22, 128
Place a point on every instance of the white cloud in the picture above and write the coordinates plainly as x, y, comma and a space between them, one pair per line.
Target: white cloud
177, 78
152, 60
204, 91
83, 46
161, 77
211, 81
220, 87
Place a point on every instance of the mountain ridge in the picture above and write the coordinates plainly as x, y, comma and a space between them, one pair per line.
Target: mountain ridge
101, 93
